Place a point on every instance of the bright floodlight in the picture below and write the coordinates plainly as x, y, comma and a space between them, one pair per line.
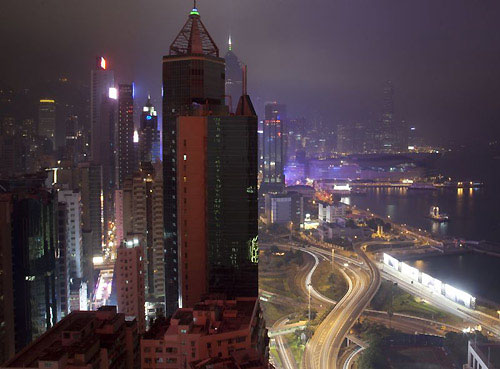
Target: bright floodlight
113, 93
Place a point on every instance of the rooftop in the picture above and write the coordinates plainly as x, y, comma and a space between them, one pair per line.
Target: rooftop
206, 318
194, 39
58, 341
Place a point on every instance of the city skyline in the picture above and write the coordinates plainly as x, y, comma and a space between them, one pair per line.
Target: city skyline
423, 50
316, 191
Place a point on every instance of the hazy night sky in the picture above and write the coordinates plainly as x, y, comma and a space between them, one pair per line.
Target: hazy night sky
325, 58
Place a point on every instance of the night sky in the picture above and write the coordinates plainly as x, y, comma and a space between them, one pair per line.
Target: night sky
326, 59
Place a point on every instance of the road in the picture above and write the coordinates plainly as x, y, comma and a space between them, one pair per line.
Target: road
323, 349
286, 356
473, 316
411, 324
363, 277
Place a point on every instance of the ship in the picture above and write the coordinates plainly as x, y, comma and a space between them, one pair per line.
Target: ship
435, 215
358, 191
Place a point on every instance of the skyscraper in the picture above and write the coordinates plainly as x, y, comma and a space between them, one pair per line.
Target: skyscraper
28, 217
388, 131
71, 201
234, 82
193, 74
101, 80
126, 161
210, 175
89, 180
47, 120
129, 274
273, 179
149, 135
141, 217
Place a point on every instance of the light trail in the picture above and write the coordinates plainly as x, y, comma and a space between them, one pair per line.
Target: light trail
351, 357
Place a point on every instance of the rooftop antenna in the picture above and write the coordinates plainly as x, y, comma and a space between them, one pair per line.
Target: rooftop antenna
195, 9
244, 70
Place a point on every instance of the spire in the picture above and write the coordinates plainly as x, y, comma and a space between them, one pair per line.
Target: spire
245, 106
195, 9
230, 44
194, 38
148, 102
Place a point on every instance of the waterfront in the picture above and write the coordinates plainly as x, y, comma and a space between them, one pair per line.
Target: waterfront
474, 273
474, 215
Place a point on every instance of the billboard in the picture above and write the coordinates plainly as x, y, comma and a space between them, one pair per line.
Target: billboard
409, 271
391, 261
435, 285
459, 296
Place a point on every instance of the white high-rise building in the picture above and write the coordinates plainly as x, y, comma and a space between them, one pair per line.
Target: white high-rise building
72, 200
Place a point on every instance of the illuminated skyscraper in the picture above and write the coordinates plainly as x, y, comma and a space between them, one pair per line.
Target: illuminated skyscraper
149, 135
210, 175
273, 179
101, 80
47, 120
188, 81
126, 161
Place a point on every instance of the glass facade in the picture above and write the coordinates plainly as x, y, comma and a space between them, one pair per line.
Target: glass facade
232, 202
34, 240
188, 82
273, 147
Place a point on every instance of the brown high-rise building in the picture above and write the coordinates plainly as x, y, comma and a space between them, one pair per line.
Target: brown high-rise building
210, 176
129, 274
193, 74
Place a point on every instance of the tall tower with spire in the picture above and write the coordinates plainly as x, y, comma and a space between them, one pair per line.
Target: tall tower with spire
210, 175
233, 77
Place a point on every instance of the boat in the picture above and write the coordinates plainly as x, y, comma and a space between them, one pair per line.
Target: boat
435, 215
341, 189
359, 191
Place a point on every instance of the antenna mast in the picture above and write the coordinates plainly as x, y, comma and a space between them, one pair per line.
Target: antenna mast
244, 70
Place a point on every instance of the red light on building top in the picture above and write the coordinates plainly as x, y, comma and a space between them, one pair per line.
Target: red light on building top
102, 63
